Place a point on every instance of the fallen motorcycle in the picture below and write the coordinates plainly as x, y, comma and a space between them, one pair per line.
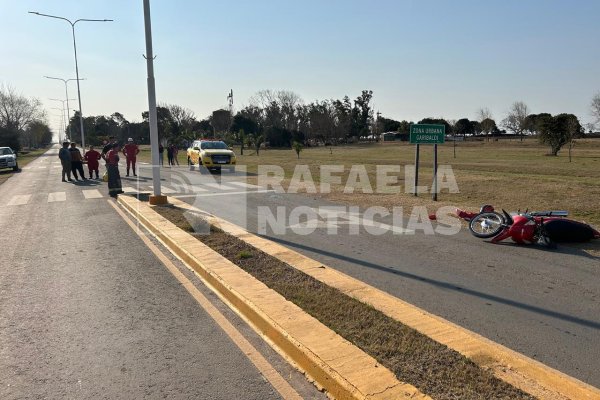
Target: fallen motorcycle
544, 227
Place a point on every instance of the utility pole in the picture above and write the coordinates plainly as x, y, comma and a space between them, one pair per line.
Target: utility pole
157, 198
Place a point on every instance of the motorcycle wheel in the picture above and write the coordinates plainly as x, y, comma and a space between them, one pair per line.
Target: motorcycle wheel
486, 225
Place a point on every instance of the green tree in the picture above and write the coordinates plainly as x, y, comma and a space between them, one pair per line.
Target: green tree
488, 126
362, 114
558, 130
10, 138
220, 120
297, 146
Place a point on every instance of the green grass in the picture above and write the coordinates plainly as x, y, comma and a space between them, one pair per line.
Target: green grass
509, 174
23, 159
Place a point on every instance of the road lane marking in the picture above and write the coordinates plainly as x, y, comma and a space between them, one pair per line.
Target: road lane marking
184, 196
244, 185
214, 185
265, 368
129, 189
56, 196
197, 189
19, 200
92, 194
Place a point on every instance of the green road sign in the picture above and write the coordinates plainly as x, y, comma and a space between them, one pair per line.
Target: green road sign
427, 134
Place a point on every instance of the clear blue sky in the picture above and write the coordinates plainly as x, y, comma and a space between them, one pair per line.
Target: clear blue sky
421, 58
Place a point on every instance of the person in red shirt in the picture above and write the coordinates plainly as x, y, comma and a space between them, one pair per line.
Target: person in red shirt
92, 157
130, 150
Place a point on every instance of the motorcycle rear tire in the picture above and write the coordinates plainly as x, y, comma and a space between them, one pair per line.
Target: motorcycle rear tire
479, 218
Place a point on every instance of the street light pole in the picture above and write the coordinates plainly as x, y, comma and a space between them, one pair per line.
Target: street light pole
65, 81
64, 119
152, 119
76, 65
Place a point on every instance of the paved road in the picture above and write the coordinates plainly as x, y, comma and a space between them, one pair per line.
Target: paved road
542, 303
86, 311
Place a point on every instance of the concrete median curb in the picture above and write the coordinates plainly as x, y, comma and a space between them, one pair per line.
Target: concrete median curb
514, 368
342, 369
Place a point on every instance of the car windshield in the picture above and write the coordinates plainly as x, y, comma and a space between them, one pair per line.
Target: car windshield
5, 152
213, 146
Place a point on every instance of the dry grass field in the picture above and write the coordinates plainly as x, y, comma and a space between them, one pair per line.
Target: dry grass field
508, 174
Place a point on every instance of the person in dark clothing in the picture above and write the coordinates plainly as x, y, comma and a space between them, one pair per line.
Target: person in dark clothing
76, 162
161, 154
170, 154
65, 159
108, 146
114, 177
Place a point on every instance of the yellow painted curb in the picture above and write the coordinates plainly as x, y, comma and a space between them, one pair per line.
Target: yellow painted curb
527, 374
342, 369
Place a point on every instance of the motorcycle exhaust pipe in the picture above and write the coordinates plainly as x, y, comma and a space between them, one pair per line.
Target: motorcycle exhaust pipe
509, 221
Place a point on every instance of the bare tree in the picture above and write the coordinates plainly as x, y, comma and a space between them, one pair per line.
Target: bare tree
280, 107
18, 111
596, 107
515, 121
486, 121
484, 113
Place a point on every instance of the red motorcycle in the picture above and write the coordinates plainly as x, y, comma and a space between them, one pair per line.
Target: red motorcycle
544, 227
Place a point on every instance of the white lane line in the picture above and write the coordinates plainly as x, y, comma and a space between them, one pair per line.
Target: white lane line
197, 189
183, 196
92, 194
45, 167
244, 185
19, 200
167, 190
163, 189
214, 185
129, 189
57, 196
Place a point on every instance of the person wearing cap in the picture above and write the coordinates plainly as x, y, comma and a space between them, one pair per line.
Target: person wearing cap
130, 150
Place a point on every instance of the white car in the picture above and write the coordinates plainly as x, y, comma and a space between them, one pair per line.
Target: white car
8, 159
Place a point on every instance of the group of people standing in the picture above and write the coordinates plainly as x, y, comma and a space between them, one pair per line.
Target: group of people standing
172, 152
72, 162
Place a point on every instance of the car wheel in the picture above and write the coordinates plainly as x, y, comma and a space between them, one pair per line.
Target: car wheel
16, 167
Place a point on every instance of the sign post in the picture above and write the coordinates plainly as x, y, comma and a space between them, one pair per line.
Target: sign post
427, 134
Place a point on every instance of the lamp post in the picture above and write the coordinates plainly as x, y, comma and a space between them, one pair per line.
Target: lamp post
63, 111
65, 81
157, 198
72, 23
62, 119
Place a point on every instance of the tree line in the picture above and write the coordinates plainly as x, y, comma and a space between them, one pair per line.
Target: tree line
281, 118
22, 121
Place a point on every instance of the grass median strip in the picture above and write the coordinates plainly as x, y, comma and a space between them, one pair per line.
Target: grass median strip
432, 367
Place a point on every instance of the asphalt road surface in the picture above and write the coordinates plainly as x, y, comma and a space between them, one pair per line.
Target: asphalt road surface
542, 303
87, 311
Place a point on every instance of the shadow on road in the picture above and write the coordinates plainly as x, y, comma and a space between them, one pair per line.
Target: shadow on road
574, 249
444, 285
